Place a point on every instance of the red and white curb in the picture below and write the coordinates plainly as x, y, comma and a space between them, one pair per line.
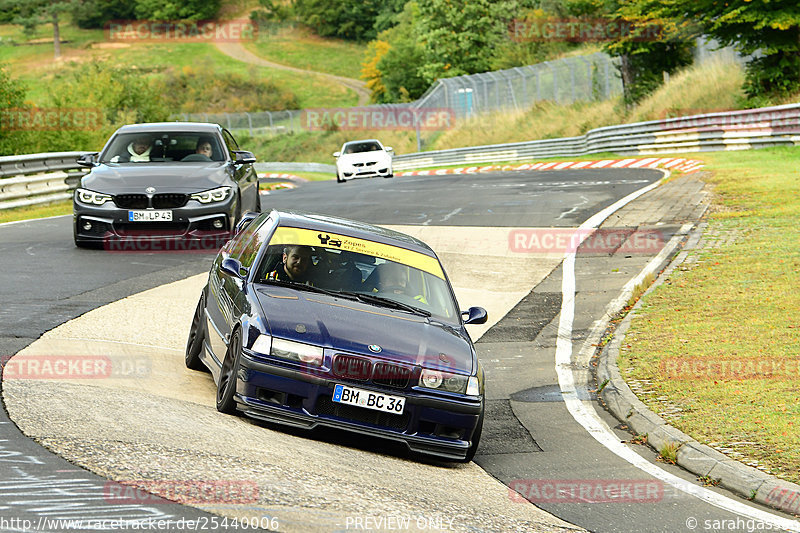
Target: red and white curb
672, 163
291, 184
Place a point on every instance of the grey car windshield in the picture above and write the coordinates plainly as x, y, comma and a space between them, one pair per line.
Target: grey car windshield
163, 147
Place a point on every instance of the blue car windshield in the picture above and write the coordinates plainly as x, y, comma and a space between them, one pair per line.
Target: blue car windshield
362, 273
161, 147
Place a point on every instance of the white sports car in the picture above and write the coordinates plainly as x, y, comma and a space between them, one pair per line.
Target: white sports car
363, 159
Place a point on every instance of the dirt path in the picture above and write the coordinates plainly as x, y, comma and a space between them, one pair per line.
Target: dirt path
240, 53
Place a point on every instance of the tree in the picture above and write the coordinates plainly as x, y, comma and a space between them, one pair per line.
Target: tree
393, 61
96, 13
459, 36
647, 47
770, 28
340, 18
31, 13
169, 10
370, 72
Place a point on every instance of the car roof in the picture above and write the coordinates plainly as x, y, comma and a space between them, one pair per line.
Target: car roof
350, 228
363, 141
150, 127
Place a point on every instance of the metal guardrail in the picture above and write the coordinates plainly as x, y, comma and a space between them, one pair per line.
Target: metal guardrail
20, 165
295, 167
33, 179
40, 178
733, 130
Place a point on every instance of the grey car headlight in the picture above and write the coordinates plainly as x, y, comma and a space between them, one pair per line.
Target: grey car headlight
219, 194
85, 196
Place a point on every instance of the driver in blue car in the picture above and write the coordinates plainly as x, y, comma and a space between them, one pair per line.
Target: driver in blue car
393, 279
295, 265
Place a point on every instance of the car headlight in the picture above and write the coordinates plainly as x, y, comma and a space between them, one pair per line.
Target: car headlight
214, 195
263, 344
85, 196
295, 351
435, 379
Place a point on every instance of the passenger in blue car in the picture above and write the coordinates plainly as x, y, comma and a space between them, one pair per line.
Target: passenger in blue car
294, 266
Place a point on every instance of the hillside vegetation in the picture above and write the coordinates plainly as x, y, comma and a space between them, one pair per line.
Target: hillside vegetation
410, 44
713, 86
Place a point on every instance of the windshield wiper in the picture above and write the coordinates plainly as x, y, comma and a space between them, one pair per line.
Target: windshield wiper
309, 288
388, 302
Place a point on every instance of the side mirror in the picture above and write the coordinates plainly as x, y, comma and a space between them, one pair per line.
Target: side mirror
232, 267
388, 149
245, 221
243, 157
337, 154
475, 315
88, 160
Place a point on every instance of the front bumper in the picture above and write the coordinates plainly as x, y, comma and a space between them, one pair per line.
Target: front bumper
107, 224
430, 424
379, 170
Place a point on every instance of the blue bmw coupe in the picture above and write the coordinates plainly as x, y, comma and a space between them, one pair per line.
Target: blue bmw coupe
316, 321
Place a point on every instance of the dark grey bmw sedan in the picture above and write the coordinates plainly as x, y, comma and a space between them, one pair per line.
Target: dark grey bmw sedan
161, 183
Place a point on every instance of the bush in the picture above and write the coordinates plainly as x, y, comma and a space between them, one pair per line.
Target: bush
772, 76
199, 91
119, 96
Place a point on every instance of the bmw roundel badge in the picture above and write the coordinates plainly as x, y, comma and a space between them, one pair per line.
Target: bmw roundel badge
374, 348
150, 190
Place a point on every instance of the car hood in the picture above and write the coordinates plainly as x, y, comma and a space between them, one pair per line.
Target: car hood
352, 327
128, 178
364, 157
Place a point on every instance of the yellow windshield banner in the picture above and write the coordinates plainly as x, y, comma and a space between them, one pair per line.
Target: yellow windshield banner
307, 237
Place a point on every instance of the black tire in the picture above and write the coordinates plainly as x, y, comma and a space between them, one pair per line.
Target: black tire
339, 179
258, 201
226, 388
389, 175
476, 438
197, 335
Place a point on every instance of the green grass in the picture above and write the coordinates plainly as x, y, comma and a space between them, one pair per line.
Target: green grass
33, 63
704, 88
297, 47
41, 211
737, 305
